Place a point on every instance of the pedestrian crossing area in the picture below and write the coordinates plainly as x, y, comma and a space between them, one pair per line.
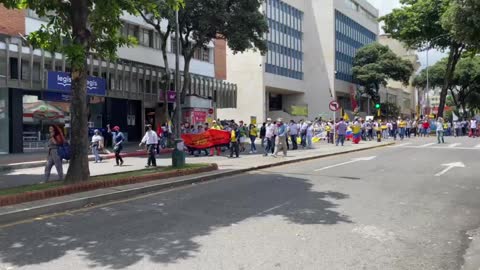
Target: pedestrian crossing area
463, 144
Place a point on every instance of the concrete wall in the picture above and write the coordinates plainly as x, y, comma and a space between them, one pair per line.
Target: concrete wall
246, 70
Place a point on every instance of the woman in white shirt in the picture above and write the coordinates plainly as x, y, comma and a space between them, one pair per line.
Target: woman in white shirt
97, 145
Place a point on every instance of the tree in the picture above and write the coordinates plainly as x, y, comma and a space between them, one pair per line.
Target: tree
375, 64
418, 23
464, 90
154, 12
389, 110
239, 22
77, 28
462, 21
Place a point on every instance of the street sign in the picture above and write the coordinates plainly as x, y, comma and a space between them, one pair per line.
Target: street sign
334, 106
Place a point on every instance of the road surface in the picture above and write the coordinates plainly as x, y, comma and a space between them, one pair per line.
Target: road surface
379, 209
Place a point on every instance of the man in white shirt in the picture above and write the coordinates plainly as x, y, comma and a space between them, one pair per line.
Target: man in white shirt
269, 134
150, 139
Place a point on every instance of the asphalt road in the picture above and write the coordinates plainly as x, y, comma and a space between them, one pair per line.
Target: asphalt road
387, 210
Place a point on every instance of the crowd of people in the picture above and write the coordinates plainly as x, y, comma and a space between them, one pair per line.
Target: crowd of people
273, 136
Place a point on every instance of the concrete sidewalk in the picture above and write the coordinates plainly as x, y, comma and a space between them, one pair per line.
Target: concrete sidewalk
247, 161
37, 159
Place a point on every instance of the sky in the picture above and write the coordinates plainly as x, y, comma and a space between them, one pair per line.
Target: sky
385, 7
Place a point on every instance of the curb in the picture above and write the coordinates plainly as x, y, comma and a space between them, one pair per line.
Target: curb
84, 186
35, 164
17, 213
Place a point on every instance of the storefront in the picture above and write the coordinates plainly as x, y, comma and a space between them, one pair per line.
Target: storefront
35, 92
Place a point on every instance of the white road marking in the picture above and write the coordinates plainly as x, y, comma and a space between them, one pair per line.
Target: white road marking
446, 148
400, 145
425, 145
454, 145
450, 166
345, 163
273, 208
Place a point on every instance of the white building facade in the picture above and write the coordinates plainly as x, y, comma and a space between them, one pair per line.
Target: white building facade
309, 62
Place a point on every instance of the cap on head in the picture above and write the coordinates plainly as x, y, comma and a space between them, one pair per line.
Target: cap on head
116, 128
269, 119
214, 121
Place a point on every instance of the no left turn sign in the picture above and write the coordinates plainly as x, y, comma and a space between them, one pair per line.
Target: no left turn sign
334, 106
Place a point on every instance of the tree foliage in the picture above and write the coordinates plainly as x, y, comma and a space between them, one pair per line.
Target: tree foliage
441, 24
375, 64
464, 90
77, 28
462, 21
239, 22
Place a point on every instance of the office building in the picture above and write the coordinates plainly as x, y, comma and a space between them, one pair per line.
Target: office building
309, 63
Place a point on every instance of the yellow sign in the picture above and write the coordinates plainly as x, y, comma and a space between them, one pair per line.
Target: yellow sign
299, 110
253, 120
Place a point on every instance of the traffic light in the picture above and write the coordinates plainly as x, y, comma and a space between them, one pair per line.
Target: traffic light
377, 106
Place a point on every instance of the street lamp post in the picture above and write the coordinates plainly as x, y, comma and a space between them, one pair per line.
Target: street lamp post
178, 155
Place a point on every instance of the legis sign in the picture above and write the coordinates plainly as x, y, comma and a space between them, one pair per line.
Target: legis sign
62, 82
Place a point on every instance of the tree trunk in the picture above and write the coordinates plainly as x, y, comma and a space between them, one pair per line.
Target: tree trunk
453, 57
186, 77
78, 168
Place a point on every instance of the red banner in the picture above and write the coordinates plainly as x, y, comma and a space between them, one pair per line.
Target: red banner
210, 138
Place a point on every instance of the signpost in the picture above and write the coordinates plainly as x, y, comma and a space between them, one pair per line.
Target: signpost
334, 107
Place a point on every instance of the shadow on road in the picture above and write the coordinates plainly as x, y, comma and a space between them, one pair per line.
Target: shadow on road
164, 228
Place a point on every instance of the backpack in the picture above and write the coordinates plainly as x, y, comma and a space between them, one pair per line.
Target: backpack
63, 151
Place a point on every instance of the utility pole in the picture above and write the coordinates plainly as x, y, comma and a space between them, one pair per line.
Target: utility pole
178, 155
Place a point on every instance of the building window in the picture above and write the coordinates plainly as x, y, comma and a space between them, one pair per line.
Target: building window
146, 38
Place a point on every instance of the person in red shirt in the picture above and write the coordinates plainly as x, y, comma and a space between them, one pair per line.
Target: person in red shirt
426, 127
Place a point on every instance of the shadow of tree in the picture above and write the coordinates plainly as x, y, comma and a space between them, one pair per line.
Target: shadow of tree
163, 227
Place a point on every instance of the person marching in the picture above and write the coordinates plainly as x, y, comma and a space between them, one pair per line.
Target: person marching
56, 139
234, 141
253, 130
440, 130
117, 138
281, 139
97, 145
216, 126
150, 139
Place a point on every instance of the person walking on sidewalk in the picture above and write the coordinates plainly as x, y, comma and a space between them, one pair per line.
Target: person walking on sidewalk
97, 145
294, 134
309, 135
253, 130
440, 130
118, 139
150, 139
216, 126
263, 131
269, 133
341, 132
53, 159
281, 139
234, 141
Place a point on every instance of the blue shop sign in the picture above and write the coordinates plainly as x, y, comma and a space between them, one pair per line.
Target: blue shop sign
62, 82
55, 96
